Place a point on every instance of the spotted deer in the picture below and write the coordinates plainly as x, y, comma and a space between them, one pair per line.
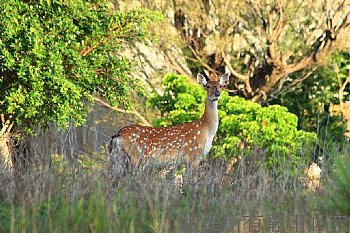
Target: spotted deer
187, 141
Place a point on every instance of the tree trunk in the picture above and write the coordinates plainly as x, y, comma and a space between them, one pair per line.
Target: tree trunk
5, 145
5, 151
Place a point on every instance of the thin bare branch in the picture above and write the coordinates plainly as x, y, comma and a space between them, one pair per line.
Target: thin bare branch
273, 33
88, 50
175, 65
232, 70
277, 31
291, 86
248, 87
132, 111
200, 60
6, 128
2, 116
345, 22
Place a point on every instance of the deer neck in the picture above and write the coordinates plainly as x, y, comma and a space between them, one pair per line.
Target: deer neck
210, 117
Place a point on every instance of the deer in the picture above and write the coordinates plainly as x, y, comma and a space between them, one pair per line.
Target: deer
188, 142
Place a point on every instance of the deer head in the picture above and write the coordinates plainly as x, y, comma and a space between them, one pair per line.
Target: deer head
213, 88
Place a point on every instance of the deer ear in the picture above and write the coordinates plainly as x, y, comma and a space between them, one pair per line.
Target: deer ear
201, 79
225, 79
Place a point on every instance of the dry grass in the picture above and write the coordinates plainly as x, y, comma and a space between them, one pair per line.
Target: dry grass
85, 196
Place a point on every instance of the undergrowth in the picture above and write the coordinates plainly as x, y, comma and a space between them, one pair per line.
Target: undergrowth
86, 197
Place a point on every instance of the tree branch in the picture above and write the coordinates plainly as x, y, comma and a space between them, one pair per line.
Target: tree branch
102, 41
345, 22
6, 126
273, 32
175, 65
291, 86
199, 59
143, 120
232, 70
279, 26
341, 93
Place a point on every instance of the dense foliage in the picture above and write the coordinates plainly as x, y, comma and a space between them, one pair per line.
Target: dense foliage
54, 54
311, 101
242, 123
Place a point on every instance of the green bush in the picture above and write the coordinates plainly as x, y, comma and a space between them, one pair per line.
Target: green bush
54, 54
242, 123
181, 101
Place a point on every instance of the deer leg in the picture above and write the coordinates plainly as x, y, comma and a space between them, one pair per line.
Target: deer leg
120, 161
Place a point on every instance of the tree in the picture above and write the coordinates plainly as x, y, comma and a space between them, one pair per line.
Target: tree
326, 87
54, 54
261, 42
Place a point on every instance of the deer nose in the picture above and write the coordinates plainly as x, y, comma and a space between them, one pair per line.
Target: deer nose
216, 93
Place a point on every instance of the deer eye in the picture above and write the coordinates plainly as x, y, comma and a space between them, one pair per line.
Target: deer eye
207, 87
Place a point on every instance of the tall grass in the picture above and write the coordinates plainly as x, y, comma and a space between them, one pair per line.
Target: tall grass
338, 187
84, 196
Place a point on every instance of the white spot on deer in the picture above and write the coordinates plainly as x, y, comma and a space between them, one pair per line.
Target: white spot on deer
199, 132
194, 137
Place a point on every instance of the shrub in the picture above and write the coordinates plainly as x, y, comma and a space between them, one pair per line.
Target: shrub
180, 101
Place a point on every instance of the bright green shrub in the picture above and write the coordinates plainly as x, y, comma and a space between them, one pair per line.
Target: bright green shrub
242, 123
271, 128
181, 101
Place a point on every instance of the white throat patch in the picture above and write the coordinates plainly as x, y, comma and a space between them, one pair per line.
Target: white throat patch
214, 124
